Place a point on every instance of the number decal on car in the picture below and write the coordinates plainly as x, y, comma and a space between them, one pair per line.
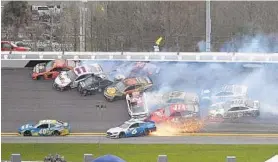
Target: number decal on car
43, 131
179, 107
82, 68
134, 131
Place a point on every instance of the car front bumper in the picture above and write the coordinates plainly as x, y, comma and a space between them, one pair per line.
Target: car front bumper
111, 135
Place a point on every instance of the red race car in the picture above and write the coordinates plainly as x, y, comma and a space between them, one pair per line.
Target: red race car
51, 69
183, 118
173, 111
9, 46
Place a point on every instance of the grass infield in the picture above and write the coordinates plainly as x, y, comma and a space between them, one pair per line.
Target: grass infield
143, 152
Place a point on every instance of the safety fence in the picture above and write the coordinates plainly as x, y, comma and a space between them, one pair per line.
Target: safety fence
146, 56
90, 158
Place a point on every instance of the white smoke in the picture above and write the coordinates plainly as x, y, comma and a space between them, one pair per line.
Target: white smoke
194, 77
260, 43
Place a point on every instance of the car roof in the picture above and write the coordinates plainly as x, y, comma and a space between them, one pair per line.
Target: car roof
83, 70
130, 81
132, 121
48, 121
174, 94
136, 80
144, 80
234, 88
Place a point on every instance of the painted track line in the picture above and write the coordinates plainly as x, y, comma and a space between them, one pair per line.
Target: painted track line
182, 134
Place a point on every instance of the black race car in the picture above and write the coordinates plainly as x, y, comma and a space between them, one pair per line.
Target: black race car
93, 84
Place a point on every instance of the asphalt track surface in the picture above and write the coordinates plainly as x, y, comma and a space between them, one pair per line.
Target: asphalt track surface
25, 101
146, 140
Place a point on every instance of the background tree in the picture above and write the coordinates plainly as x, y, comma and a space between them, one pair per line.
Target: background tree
16, 16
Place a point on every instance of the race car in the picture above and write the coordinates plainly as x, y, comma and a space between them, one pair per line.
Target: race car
93, 84
137, 108
181, 97
45, 128
118, 90
52, 69
172, 112
236, 108
131, 128
70, 79
226, 93
144, 69
136, 69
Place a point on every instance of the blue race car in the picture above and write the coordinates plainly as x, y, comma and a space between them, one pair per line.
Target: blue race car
45, 128
132, 128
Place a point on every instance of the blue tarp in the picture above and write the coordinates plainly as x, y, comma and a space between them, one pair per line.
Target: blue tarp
108, 158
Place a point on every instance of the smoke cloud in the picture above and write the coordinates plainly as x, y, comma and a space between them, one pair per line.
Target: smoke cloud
194, 77
259, 43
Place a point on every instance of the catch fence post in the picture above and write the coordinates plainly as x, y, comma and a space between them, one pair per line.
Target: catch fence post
15, 158
88, 157
231, 159
162, 158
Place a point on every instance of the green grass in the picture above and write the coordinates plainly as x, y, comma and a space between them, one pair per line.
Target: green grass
144, 153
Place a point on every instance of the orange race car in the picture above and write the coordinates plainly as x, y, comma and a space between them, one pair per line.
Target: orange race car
52, 69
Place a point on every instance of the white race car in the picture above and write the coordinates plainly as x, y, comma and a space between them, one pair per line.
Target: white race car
226, 93
235, 108
137, 108
131, 128
71, 79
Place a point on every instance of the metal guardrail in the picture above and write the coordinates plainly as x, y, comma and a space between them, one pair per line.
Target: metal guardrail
90, 158
146, 56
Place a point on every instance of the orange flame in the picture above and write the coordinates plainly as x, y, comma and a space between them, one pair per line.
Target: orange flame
174, 129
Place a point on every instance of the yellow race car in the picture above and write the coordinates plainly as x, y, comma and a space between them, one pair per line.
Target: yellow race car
120, 89
45, 128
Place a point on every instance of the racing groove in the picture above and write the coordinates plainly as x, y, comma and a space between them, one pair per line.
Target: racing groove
25, 100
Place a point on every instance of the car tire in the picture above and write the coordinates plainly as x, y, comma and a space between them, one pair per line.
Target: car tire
240, 115
83, 92
39, 77
56, 133
219, 116
27, 133
122, 135
146, 132
109, 100
79, 88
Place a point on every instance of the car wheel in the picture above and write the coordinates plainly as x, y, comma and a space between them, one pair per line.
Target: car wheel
84, 92
122, 135
239, 115
27, 133
56, 133
219, 116
40, 78
146, 132
109, 100
79, 88
256, 114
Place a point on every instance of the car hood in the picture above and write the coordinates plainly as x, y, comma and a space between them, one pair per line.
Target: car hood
26, 127
116, 129
216, 111
111, 91
39, 68
63, 79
